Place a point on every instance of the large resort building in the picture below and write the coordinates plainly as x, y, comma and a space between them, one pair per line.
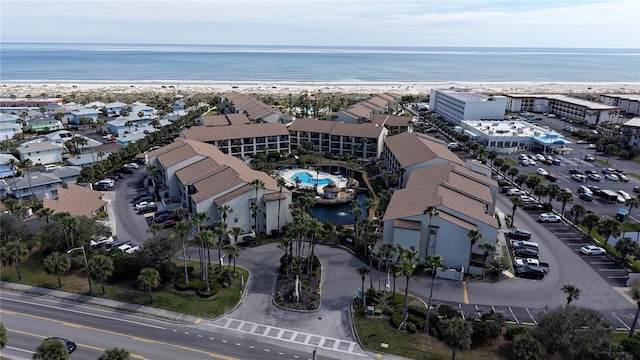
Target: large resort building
456, 106
628, 103
590, 112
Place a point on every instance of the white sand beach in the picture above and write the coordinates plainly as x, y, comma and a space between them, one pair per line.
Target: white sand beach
21, 88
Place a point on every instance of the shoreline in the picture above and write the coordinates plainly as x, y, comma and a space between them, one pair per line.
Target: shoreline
21, 88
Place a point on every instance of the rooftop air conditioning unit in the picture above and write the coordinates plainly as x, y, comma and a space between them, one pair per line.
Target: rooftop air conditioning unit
495, 124
536, 133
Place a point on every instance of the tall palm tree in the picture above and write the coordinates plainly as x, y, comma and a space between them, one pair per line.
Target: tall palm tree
553, 191
433, 263
406, 267
487, 249
203, 247
203, 238
224, 211
257, 185
180, 231
577, 211
149, 279
635, 295
233, 251
474, 236
356, 211
388, 251
281, 183
57, 264
563, 197
369, 203
45, 213
255, 210
633, 203
572, 291
609, 228
362, 271
219, 232
591, 221
516, 203
14, 252
27, 163
431, 210
235, 231
513, 172
100, 269
13, 163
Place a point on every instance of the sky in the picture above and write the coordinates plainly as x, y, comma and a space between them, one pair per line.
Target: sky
493, 23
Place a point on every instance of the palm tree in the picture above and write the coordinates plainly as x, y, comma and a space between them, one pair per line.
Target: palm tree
235, 231
180, 231
45, 213
635, 295
14, 252
27, 163
257, 185
149, 279
497, 163
577, 211
516, 203
591, 220
532, 181
387, 251
563, 197
633, 203
13, 163
203, 238
52, 349
369, 203
407, 265
505, 168
224, 211
433, 262
115, 354
100, 269
513, 172
219, 232
362, 271
521, 179
492, 155
233, 251
431, 210
57, 264
572, 291
356, 211
474, 236
281, 183
553, 191
487, 249
129, 123
255, 210
609, 228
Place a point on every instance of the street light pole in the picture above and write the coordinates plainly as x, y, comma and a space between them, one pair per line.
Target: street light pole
580, 159
86, 264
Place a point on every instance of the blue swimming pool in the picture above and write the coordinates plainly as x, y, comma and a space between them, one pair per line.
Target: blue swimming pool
308, 179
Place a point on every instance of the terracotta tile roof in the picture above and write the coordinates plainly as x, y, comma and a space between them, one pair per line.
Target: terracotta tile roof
208, 133
367, 130
378, 102
456, 177
233, 194
412, 148
391, 120
275, 196
176, 155
192, 172
165, 149
254, 108
463, 204
359, 111
76, 200
225, 119
238, 119
216, 183
407, 224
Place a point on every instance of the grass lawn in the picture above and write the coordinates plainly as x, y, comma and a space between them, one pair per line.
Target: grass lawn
512, 162
374, 331
164, 297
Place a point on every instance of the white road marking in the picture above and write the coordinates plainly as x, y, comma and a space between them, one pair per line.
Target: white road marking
623, 323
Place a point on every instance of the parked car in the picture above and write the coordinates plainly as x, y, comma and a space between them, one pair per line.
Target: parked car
529, 272
131, 165
586, 196
589, 158
126, 170
514, 192
611, 177
526, 252
594, 188
526, 261
143, 204
524, 244
556, 161
551, 178
636, 189
101, 187
548, 217
505, 189
579, 177
623, 177
589, 172
142, 199
532, 162
101, 242
113, 245
140, 196
517, 234
163, 217
594, 177
129, 248
624, 194
575, 171
151, 207
542, 172
592, 250
168, 223
608, 171
70, 345
525, 162
532, 205
540, 157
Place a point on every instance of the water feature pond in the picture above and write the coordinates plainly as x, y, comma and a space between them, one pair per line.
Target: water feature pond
339, 214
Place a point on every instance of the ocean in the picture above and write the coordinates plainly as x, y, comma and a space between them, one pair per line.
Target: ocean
261, 63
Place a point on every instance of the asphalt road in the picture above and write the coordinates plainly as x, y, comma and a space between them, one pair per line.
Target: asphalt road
30, 320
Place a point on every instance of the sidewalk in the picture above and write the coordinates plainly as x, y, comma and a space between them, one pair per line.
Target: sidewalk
100, 302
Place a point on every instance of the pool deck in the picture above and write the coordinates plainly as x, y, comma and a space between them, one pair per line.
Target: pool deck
287, 175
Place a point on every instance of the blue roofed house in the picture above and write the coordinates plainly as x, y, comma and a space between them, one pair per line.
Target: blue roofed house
9, 126
114, 108
81, 112
36, 185
5, 169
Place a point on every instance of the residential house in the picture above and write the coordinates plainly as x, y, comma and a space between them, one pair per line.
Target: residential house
82, 112
395, 124
465, 202
76, 200
5, 169
234, 102
202, 178
36, 185
362, 141
41, 153
10, 125
406, 152
114, 108
631, 128
68, 174
244, 140
44, 123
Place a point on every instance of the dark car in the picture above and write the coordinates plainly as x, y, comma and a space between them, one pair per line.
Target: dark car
126, 171
164, 211
116, 175
163, 217
503, 182
636, 189
532, 206
575, 171
141, 197
526, 252
71, 346
590, 172
529, 272
113, 245
101, 187
551, 177
168, 224
520, 234
505, 189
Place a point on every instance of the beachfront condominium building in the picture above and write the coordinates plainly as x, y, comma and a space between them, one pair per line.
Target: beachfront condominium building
244, 140
235, 102
361, 141
385, 103
202, 178
631, 128
394, 123
565, 107
628, 103
464, 201
456, 106
406, 152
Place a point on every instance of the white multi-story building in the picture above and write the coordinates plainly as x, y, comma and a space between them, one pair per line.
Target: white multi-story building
566, 107
631, 129
629, 103
456, 106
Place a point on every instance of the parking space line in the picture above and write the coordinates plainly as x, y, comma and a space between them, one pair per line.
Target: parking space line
610, 270
601, 263
531, 316
623, 323
461, 312
514, 316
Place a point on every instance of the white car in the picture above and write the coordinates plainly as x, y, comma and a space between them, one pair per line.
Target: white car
579, 177
548, 217
523, 157
542, 172
128, 248
143, 204
532, 162
611, 177
514, 192
595, 177
540, 157
624, 194
525, 162
526, 261
131, 166
592, 250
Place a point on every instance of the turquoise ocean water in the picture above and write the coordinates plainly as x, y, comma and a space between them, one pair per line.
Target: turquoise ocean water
36, 61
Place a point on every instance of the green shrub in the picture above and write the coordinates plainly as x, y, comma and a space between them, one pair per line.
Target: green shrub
418, 311
396, 319
398, 300
411, 327
214, 287
512, 331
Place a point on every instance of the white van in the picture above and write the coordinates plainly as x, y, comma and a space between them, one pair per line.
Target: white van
50, 167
